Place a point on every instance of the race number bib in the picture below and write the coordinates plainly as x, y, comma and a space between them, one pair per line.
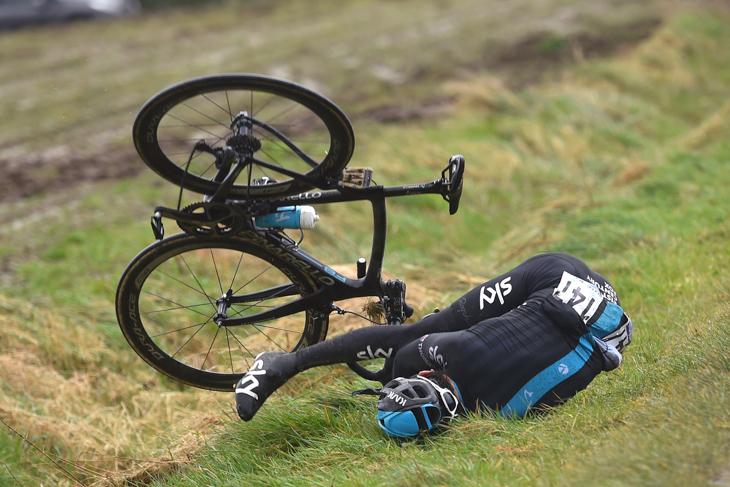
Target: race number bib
581, 295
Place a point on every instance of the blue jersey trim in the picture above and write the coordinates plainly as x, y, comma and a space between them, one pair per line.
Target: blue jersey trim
550, 377
609, 320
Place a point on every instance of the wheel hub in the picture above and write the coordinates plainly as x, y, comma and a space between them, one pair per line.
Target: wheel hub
224, 302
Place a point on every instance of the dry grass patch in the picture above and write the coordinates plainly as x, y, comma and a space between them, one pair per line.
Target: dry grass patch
80, 405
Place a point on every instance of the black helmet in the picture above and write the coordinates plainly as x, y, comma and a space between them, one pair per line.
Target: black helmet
410, 406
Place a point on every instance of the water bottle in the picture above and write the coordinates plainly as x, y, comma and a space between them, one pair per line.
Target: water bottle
303, 217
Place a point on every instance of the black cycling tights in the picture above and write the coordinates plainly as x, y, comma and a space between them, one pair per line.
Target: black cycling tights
491, 299
372, 342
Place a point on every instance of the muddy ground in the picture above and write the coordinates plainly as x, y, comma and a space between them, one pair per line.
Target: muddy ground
520, 65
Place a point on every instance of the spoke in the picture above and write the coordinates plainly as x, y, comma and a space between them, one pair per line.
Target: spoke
242, 346
167, 124
235, 273
175, 308
257, 325
275, 141
230, 356
282, 112
202, 173
252, 279
254, 305
258, 303
230, 111
176, 330
199, 291
227, 112
191, 140
276, 162
199, 126
188, 340
192, 274
203, 114
263, 170
281, 144
217, 274
272, 158
267, 136
202, 366
270, 137
270, 339
268, 102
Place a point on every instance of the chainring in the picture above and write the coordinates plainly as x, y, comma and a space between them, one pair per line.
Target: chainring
221, 220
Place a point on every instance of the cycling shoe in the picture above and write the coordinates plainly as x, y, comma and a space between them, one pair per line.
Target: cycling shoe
269, 371
611, 356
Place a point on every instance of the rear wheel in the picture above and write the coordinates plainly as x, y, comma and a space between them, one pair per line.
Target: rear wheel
169, 295
289, 128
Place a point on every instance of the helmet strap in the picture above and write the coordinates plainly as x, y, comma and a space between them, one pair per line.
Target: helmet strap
367, 392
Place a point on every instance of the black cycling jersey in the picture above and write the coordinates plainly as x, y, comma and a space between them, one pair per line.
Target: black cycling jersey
525, 339
506, 292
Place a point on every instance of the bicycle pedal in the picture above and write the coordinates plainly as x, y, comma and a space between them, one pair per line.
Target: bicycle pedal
158, 229
357, 177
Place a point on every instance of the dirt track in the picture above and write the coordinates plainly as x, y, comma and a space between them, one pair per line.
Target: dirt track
521, 64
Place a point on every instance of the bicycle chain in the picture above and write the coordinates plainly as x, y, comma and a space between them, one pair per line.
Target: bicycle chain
222, 220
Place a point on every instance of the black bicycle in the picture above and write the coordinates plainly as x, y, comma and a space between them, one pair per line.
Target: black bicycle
198, 306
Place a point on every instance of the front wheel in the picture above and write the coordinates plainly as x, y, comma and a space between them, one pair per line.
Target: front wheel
170, 295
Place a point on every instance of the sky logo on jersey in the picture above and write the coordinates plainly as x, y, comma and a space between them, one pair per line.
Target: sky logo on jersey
499, 291
437, 357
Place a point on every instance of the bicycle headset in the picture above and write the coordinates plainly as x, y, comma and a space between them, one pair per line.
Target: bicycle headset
408, 407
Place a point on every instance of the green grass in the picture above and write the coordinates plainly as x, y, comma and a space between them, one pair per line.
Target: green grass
620, 161
660, 420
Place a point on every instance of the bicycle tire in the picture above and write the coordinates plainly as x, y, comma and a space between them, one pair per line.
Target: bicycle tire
170, 123
166, 302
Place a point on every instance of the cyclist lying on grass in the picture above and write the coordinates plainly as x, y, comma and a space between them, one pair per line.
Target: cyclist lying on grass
526, 340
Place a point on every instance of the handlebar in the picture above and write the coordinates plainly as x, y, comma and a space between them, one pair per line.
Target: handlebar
450, 187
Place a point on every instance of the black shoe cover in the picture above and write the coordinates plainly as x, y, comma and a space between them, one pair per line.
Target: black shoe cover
267, 374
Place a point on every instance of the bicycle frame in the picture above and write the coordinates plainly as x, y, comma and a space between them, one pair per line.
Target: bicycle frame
266, 144
336, 286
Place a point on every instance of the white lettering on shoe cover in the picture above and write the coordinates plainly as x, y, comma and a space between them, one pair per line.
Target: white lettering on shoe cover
249, 382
